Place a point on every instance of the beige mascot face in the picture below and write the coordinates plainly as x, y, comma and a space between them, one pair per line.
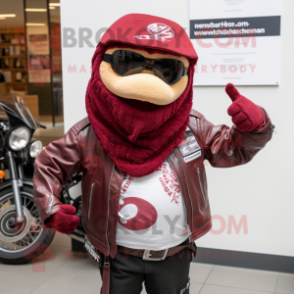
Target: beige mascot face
144, 86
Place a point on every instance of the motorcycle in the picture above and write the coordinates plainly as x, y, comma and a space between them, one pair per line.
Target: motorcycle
22, 235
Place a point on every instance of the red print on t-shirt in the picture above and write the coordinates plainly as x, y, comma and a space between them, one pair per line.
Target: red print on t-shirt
146, 215
145, 218
169, 183
126, 185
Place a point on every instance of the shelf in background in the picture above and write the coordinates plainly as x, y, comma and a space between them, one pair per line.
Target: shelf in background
16, 83
12, 31
13, 43
8, 45
14, 56
13, 69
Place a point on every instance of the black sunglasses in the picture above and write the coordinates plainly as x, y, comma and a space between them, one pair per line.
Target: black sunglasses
126, 63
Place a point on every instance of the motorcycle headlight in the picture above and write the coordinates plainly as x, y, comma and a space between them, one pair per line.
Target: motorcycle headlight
19, 138
36, 149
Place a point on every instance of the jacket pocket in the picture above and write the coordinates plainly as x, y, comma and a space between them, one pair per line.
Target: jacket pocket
90, 199
200, 183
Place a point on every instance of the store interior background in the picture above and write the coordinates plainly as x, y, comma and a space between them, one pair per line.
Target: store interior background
57, 100
30, 60
261, 190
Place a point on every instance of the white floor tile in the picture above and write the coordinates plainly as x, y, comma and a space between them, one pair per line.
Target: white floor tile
69, 273
195, 288
243, 278
16, 288
212, 289
61, 240
199, 272
285, 284
71, 281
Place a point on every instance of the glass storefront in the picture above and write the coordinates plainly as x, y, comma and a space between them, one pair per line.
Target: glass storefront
30, 56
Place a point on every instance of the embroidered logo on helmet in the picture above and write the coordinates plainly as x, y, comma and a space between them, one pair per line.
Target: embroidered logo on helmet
158, 31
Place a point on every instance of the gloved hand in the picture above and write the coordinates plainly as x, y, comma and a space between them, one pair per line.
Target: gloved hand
64, 220
246, 115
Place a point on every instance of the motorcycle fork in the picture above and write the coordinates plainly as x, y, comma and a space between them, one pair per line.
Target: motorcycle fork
16, 184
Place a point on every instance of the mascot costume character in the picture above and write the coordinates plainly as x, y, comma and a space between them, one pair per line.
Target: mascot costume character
141, 151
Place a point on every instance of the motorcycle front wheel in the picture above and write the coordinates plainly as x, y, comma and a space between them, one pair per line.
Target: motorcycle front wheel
21, 243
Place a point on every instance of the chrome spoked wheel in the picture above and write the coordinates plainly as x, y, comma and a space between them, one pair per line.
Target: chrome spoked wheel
19, 243
17, 237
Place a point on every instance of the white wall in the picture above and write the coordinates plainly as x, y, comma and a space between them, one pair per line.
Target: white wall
261, 190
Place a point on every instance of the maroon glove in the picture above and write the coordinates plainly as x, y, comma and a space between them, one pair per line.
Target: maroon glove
246, 115
64, 220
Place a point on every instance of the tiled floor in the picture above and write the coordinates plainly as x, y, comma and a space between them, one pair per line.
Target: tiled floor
67, 274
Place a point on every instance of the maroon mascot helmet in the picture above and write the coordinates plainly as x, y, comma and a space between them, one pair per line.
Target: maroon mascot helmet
138, 136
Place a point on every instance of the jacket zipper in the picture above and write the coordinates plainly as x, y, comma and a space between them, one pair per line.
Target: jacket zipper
198, 171
109, 209
50, 206
90, 201
189, 231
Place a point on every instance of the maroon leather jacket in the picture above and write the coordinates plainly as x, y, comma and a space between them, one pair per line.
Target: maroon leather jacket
79, 150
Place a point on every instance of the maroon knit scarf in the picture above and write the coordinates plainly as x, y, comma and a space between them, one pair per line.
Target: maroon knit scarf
138, 139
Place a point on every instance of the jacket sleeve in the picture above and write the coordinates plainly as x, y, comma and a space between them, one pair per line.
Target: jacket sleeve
53, 168
227, 147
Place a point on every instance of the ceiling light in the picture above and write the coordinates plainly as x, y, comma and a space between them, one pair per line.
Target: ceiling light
31, 24
7, 15
36, 10
54, 4
51, 7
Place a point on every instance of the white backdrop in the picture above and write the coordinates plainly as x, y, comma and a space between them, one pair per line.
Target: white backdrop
261, 190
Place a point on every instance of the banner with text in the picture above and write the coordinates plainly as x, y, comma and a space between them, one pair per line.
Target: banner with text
237, 41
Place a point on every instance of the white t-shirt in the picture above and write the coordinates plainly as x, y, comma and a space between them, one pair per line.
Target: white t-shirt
151, 211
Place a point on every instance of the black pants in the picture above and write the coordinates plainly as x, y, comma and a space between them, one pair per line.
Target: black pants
169, 276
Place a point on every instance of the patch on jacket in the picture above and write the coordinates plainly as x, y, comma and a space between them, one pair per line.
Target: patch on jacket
189, 149
92, 251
